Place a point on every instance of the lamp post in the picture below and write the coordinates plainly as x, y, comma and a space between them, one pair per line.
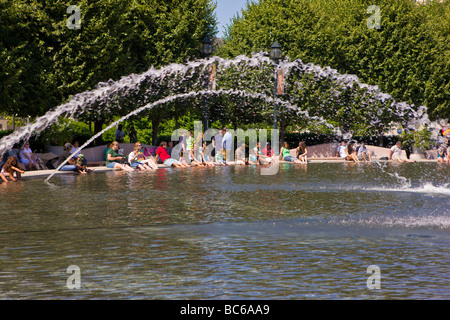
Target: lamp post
275, 55
206, 51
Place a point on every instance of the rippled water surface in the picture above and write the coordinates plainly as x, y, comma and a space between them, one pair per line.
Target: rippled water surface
308, 232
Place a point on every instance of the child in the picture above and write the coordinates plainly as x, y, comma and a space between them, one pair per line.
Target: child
253, 156
302, 152
196, 157
240, 155
205, 158
136, 158
8, 169
351, 153
81, 164
441, 153
182, 158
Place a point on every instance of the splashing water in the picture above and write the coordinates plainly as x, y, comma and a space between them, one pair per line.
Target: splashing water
132, 83
191, 94
177, 75
405, 183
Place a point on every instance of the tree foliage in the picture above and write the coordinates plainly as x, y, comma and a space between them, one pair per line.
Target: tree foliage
43, 62
408, 57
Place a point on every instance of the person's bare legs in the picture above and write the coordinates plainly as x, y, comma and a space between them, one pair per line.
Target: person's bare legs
3, 177
123, 167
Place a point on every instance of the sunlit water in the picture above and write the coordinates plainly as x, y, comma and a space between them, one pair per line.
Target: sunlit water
309, 232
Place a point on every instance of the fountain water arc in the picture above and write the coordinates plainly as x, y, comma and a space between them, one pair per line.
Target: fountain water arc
107, 91
188, 95
128, 84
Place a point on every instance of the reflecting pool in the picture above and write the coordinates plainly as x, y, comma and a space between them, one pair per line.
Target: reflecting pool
308, 232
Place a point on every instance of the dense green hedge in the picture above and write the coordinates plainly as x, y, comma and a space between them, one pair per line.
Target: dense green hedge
407, 57
4, 133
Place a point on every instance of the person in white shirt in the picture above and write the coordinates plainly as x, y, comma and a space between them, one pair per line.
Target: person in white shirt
340, 152
396, 153
28, 158
364, 153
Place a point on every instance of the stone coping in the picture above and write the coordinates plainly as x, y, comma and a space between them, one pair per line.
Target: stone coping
326, 151
45, 173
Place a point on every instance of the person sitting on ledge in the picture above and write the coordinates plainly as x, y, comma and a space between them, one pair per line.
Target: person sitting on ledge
75, 148
448, 154
195, 156
441, 153
285, 153
71, 165
161, 153
2, 176
340, 152
81, 163
396, 153
302, 152
240, 155
149, 160
108, 147
28, 158
205, 158
10, 167
136, 159
115, 160
254, 155
266, 155
363, 152
351, 153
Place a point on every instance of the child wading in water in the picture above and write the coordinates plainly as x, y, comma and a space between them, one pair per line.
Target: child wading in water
11, 165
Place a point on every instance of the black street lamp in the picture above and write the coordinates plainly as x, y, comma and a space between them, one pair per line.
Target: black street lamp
275, 52
275, 55
206, 51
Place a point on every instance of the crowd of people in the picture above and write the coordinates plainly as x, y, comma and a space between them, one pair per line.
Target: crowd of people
192, 151
350, 152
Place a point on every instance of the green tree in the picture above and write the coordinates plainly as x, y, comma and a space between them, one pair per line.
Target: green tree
408, 57
26, 85
43, 62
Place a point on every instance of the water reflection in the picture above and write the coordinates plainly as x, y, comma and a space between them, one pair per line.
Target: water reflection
228, 232
270, 260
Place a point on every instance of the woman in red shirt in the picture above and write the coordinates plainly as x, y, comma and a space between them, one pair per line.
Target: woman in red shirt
161, 153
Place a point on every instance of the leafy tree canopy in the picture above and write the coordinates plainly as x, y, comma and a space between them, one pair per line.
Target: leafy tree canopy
408, 57
43, 62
